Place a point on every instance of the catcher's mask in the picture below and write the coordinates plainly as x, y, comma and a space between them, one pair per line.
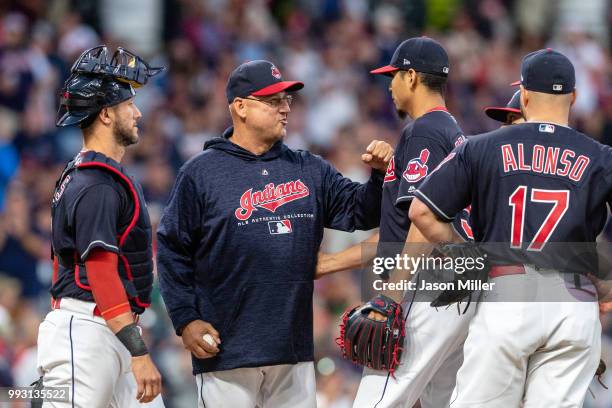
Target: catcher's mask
98, 82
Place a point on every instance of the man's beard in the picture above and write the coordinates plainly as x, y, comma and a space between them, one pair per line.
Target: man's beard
124, 136
402, 114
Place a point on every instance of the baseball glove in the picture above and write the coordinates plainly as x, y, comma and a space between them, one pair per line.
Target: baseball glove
477, 271
372, 343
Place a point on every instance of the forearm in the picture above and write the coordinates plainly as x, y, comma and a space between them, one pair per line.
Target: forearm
106, 286
176, 284
119, 322
416, 246
368, 202
350, 205
353, 257
378, 155
112, 301
430, 226
178, 238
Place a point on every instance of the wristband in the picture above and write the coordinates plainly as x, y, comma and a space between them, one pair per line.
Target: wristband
132, 340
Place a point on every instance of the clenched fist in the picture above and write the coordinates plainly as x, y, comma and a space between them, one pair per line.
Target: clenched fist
377, 155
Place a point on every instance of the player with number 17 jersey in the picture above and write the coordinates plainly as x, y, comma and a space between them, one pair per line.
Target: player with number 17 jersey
533, 188
554, 181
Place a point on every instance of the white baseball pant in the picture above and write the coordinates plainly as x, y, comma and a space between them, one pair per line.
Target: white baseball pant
538, 351
278, 386
77, 350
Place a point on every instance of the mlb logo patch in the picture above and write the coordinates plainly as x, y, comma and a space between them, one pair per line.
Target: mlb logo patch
557, 87
280, 227
547, 128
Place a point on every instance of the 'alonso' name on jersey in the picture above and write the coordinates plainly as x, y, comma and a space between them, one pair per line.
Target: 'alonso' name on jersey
556, 161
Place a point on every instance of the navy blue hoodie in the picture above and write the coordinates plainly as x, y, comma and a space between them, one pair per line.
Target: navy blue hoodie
238, 243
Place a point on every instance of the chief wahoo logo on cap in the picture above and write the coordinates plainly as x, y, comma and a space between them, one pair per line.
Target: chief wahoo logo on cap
275, 72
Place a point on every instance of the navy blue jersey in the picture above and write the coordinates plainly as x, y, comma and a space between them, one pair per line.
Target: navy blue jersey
96, 204
423, 144
528, 185
94, 213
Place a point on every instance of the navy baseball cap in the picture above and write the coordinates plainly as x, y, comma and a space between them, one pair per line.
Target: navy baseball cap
547, 71
257, 78
421, 54
501, 114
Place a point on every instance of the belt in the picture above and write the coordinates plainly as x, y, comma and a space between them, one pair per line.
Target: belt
504, 270
55, 304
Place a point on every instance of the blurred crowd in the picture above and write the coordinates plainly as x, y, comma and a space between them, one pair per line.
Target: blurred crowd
328, 44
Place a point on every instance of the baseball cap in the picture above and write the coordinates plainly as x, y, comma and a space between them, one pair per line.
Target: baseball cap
547, 71
501, 114
422, 54
257, 78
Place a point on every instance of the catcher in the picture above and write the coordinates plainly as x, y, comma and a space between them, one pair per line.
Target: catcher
101, 245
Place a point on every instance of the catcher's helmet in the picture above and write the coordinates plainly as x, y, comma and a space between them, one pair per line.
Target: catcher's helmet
96, 83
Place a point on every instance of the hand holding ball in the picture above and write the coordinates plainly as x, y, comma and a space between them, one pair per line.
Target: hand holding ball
209, 339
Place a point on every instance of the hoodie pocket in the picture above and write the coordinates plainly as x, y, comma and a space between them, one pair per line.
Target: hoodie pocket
272, 319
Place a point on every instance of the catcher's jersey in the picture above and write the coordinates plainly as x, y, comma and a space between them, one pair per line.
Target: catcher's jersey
528, 185
423, 144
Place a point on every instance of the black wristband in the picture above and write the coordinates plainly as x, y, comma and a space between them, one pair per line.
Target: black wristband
131, 339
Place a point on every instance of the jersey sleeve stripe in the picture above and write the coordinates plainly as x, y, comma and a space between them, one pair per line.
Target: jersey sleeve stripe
97, 244
404, 198
459, 233
432, 206
116, 311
